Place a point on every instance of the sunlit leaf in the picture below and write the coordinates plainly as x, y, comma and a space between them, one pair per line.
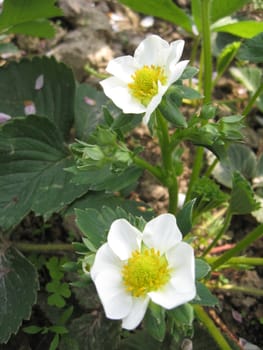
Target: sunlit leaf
243, 29
227, 56
28, 17
223, 8
165, 9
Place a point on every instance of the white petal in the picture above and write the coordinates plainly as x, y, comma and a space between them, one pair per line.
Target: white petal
119, 93
177, 71
105, 258
152, 50
123, 238
122, 67
181, 260
175, 52
162, 233
155, 101
169, 297
136, 314
116, 301
4, 117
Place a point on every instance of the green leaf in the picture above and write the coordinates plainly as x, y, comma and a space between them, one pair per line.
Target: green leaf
18, 291
251, 78
183, 314
189, 93
242, 197
165, 9
204, 296
54, 99
93, 227
208, 111
54, 343
66, 315
88, 110
140, 340
40, 28
32, 329
196, 13
172, 113
184, 217
97, 200
56, 300
201, 269
8, 48
241, 159
94, 331
32, 176
58, 329
226, 57
223, 8
189, 73
17, 12
243, 29
106, 179
54, 268
154, 322
252, 49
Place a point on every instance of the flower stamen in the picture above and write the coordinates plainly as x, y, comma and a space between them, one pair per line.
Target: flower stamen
145, 271
145, 83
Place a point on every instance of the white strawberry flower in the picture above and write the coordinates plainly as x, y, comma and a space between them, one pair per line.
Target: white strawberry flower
139, 82
135, 267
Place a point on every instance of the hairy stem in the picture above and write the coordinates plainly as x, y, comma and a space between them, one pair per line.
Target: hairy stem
142, 163
169, 176
252, 100
244, 243
198, 163
206, 50
211, 327
221, 232
239, 260
43, 248
242, 289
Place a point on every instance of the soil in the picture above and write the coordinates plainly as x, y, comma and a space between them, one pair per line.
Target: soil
92, 33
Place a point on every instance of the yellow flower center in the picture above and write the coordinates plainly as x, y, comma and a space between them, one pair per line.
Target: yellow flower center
144, 272
145, 83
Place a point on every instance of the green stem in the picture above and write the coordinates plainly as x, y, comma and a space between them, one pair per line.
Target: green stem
147, 166
244, 243
206, 50
169, 176
198, 163
243, 289
206, 70
223, 229
211, 167
43, 248
194, 50
252, 100
211, 327
164, 140
240, 260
